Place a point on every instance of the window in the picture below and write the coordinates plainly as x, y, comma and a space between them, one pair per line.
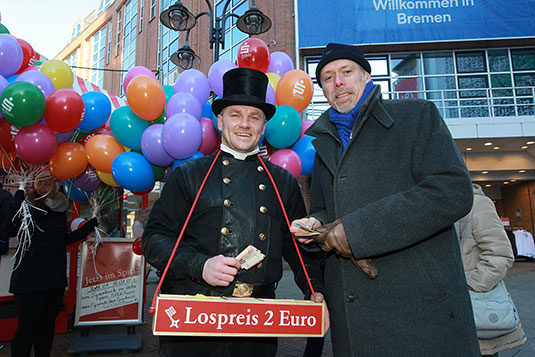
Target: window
76, 31
129, 35
119, 28
141, 15
233, 36
98, 50
110, 27
103, 5
152, 9
168, 44
471, 62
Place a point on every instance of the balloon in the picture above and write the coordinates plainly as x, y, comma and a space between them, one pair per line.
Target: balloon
23, 104
273, 79
270, 95
6, 136
137, 229
287, 159
107, 178
35, 144
179, 162
39, 79
284, 128
136, 71
27, 55
64, 137
254, 53
97, 110
141, 193
305, 124
7, 159
64, 110
181, 135
215, 75
59, 73
146, 97
280, 63
4, 83
183, 102
12, 78
87, 180
74, 192
68, 161
3, 29
210, 137
152, 146
132, 171
206, 109
159, 172
295, 88
86, 136
169, 92
101, 149
306, 152
10, 55
194, 82
127, 127
77, 223
137, 247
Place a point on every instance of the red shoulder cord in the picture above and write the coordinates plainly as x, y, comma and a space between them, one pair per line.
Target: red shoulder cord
152, 308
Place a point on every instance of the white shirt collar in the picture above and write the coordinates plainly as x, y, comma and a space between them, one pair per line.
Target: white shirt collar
239, 155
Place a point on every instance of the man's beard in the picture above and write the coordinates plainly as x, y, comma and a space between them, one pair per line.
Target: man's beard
342, 108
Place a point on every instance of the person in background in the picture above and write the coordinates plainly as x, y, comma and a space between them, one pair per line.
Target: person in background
387, 186
6, 199
39, 277
108, 217
487, 254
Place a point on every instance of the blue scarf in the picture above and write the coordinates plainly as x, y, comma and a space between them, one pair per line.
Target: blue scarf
344, 121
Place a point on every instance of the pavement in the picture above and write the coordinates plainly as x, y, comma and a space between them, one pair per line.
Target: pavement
520, 281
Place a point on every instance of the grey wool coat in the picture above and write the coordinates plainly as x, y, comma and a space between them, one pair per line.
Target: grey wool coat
398, 188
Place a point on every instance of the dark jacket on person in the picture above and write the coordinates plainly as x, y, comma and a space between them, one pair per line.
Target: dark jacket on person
398, 187
6, 199
43, 265
238, 207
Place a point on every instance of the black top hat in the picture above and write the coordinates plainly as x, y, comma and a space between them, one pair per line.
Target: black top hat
336, 51
244, 86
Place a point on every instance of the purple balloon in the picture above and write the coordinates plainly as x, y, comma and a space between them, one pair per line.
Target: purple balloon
10, 55
3, 84
215, 75
194, 82
152, 146
136, 71
62, 137
280, 63
270, 95
183, 102
87, 180
41, 80
181, 135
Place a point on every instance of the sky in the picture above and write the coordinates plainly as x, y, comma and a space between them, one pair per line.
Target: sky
45, 24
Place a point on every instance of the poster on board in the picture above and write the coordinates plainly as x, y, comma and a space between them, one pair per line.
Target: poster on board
110, 284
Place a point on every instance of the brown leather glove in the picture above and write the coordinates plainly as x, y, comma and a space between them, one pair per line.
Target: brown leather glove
333, 237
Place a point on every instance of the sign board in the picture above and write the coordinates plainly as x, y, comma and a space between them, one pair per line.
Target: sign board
506, 222
110, 284
407, 21
221, 316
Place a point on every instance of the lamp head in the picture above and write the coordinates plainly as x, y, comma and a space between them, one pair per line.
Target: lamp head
177, 17
185, 57
253, 22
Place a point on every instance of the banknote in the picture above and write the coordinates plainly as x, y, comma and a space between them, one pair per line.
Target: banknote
249, 257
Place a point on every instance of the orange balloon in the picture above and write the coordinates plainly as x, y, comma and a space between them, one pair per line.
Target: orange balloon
7, 159
146, 97
107, 178
295, 89
69, 161
101, 149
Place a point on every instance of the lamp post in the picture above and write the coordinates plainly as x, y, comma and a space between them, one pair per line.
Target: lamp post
177, 17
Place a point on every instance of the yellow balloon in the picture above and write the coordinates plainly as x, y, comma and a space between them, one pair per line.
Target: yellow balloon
107, 178
59, 73
274, 79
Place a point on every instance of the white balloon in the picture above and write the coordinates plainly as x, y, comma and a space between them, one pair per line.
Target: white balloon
77, 223
137, 229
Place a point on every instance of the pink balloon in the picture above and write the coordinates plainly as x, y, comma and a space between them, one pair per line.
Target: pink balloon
36, 143
210, 137
306, 124
134, 72
287, 159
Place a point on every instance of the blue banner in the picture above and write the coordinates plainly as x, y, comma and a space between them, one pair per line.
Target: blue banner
405, 21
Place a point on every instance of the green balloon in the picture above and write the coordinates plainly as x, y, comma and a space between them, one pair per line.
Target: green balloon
169, 92
161, 119
23, 104
3, 29
159, 171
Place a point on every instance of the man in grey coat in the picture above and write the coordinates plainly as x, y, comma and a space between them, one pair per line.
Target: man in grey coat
387, 186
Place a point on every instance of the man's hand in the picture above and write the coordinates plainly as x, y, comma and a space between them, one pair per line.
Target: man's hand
220, 270
310, 222
320, 298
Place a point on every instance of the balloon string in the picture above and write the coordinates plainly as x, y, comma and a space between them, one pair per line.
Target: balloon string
24, 233
152, 309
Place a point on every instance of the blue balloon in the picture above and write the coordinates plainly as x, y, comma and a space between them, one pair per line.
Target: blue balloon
97, 110
74, 192
179, 162
284, 128
306, 152
207, 110
132, 171
213, 116
12, 78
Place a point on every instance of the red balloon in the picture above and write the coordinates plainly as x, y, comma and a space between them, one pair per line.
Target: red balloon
211, 140
93, 133
28, 55
64, 110
136, 246
7, 135
254, 53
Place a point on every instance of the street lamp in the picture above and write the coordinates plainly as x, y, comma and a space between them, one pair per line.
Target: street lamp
177, 17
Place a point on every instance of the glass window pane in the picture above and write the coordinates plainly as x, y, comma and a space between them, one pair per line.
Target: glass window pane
470, 62
406, 64
438, 63
379, 65
523, 59
473, 82
474, 108
237, 35
440, 87
411, 87
498, 60
524, 80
